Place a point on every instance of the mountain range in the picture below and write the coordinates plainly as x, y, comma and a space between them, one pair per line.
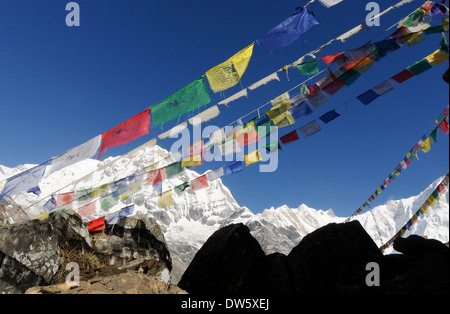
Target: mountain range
196, 215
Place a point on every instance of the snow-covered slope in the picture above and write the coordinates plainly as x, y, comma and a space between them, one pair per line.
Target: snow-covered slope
196, 215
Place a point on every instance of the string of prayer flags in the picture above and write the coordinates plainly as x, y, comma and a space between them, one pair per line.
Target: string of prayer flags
199, 183
290, 137
330, 3
329, 116
127, 131
233, 167
189, 98
74, 155
308, 68
288, 31
24, 181
423, 210
310, 129
253, 157
230, 72
165, 199
97, 225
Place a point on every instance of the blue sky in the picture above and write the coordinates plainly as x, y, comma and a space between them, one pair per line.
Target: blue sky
61, 86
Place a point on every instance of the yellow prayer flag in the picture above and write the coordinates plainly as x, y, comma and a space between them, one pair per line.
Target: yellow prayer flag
229, 73
280, 99
127, 194
431, 201
165, 199
426, 145
96, 192
424, 209
252, 157
192, 161
437, 57
42, 217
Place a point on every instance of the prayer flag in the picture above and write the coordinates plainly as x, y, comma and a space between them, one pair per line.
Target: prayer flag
24, 181
305, 90
51, 204
289, 138
333, 58
182, 187
206, 115
273, 147
329, 116
229, 73
100, 190
189, 98
437, 57
165, 199
317, 100
126, 211
433, 135
403, 76
283, 120
229, 147
158, 187
334, 87
108, 202
420, 66
383, 88
310, 128
444, 126
288, 31
368, 97
192, 161
215, 174
308, 68
87, 210
280, 99
300, 110
247, 138
173, 170
97, 225
233, 167
112, 218
252, 158
64, 199
199, 183
74, 155
127, 131
426, 145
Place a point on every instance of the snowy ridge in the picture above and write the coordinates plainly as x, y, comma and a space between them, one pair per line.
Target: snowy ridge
196, 215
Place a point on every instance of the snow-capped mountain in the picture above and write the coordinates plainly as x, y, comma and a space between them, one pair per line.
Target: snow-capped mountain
196, 215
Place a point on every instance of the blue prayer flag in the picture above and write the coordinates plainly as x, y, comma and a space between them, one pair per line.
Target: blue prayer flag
329, 116
126, 211
51, 204
233, 167
368, 97
300, 110
288, 31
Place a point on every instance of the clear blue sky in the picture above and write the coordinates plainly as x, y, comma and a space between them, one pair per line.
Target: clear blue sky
61, 86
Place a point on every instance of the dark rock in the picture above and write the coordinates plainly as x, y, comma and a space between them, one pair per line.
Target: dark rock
230, 262
419, 246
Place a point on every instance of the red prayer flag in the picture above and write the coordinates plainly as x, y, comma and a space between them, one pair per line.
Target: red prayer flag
87, 210
289, 138
199, 183
97, 225
64, 199
403, 76
247, 138
127, 131
444, 126
313, 90
333, 58
156, 176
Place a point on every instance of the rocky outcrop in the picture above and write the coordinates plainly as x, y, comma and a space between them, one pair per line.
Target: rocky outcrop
333, 259
35, 253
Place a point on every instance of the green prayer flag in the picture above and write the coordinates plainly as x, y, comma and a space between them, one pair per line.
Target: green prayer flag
433, 135
83, 195
173, 169
444, 44
305, 90
273, 147
189, 98
349, 77
182, 187
108, 202
308, 68
434, 30
420, 66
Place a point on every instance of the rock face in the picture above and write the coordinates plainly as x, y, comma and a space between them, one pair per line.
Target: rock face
332, 259
36, 252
